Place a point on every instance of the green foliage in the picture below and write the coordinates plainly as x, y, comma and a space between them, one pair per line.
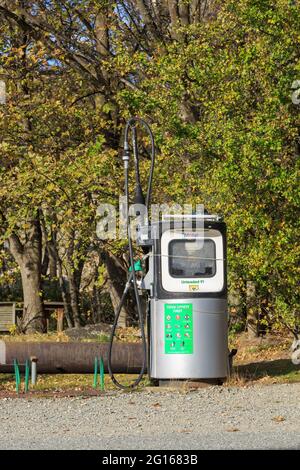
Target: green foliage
229, 137
219, 99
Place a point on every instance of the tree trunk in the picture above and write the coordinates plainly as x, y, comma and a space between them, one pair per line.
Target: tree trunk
33, 312
116, 282
54, 263
115, 297
64, 293
96, 305
252, 311
28, 255
74, 298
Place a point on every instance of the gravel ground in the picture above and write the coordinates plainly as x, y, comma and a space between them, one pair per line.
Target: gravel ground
258, 417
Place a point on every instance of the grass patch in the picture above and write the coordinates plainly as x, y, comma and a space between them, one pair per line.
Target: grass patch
78, 384
36, 337
267, 372
263, 360
102, 338
127, 335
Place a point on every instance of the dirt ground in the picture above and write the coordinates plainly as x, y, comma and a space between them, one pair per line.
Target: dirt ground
264, 360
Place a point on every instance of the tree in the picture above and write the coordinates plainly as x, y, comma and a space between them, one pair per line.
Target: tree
48, 199
241, 155
214, 78
85, 39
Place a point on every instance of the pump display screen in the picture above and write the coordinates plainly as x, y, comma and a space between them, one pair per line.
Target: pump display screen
192, 258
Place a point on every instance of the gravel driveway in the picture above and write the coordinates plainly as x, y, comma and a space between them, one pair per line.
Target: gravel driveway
258, 417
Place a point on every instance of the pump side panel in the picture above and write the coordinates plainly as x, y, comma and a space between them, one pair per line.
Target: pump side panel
205, 354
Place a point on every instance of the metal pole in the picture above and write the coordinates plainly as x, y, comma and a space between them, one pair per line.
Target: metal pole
95, 372
101, 373
33, 370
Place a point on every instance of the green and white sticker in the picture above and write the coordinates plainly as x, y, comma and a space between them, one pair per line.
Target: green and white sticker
178, 328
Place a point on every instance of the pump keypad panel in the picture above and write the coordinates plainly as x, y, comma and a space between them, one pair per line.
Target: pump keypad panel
178, 328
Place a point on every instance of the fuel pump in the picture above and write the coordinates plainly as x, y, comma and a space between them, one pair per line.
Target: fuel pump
186, 285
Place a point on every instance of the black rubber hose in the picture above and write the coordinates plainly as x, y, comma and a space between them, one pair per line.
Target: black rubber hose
132, 277
131, 124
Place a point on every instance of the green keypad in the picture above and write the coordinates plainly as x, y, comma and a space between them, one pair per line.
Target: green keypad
178, 328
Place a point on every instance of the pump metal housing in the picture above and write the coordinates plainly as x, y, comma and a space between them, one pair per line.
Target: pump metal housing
187, 286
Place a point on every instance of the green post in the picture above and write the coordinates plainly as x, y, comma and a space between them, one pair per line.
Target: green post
101, 373
95, 372
17, 375
26, 387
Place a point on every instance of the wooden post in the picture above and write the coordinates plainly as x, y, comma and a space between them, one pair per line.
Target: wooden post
60, 319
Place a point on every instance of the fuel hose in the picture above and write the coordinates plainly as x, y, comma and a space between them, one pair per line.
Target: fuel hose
131, 125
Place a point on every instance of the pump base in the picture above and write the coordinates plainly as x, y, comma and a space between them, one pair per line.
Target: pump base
186, 384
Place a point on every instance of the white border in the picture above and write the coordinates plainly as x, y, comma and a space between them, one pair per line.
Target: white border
206, 284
